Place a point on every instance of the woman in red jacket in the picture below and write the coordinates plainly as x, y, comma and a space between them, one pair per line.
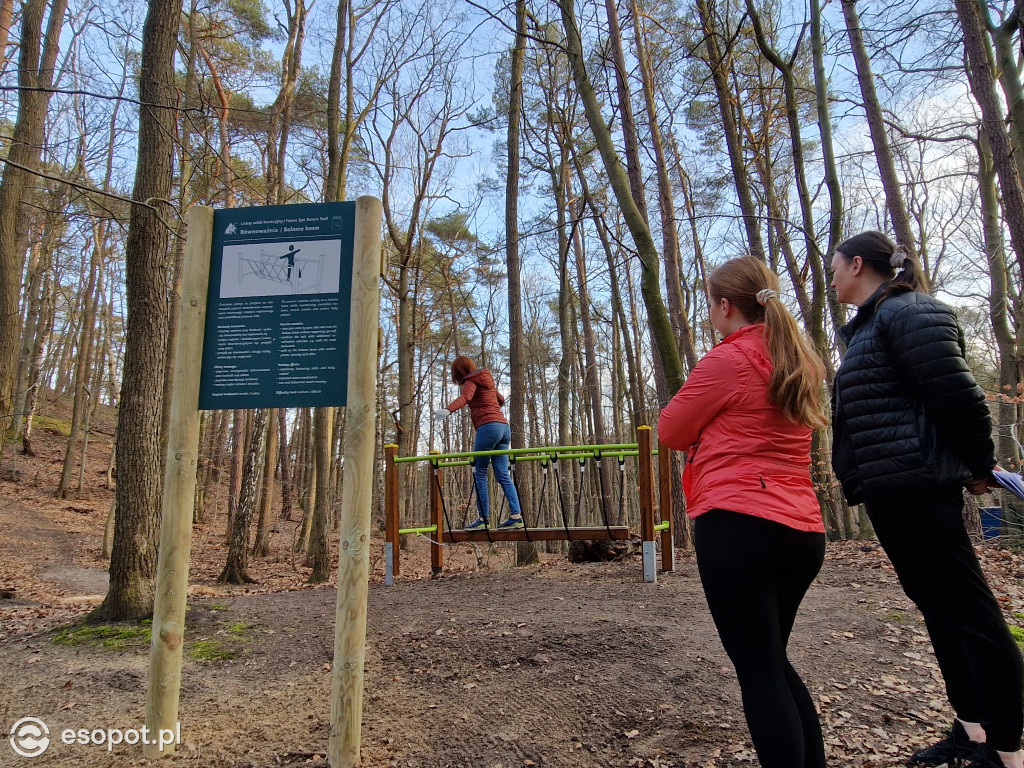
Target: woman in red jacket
492, 434
745, 417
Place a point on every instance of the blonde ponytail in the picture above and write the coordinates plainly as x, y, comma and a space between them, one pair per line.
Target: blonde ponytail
798, 375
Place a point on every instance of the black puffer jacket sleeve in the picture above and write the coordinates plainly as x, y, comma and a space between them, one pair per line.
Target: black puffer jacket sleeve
927, 348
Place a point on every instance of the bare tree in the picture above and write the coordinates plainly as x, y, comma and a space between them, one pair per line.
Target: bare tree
36, 64
876, 125
138, 442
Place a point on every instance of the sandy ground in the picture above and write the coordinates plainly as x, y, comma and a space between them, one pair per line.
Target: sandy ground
553, 665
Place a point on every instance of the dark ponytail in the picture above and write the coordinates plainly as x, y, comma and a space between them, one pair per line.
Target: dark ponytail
879, 253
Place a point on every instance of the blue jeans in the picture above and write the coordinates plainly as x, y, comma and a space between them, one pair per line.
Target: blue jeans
493, 436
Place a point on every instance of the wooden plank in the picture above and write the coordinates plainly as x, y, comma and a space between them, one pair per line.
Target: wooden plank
619, 533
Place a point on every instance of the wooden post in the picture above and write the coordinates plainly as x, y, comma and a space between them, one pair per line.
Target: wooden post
646, 463
357, 494
164, 682
436, 518
391, 526
668, 550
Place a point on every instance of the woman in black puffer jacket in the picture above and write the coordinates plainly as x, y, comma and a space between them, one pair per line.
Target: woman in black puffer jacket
911, 429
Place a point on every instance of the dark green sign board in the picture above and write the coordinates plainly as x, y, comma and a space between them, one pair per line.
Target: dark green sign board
277, 312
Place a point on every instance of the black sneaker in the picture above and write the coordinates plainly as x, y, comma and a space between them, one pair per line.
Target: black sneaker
985, 757
952, 750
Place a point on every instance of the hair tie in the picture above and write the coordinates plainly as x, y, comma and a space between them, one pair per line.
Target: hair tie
764, 294
901, 254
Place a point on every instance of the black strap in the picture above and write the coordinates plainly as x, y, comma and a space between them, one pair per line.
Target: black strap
558, 492
622, 490
543, 486
579, 494
472, 493
487, 524
515, 484
440, 493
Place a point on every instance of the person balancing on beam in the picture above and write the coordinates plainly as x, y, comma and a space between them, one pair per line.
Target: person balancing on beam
492, 434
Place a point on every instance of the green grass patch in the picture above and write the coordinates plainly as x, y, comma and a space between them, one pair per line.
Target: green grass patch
115, 637
60, 426
896, 617
1018, 635
241, 629
210, 650
216, 607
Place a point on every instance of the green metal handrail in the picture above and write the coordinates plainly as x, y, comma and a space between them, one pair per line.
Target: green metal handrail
417, 531
561, 452
544, 457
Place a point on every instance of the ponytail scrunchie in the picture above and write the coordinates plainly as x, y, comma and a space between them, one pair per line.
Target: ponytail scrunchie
764, 294
901, 254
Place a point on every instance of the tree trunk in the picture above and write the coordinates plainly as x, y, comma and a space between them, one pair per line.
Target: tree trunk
631, 146
334, 186
591, 375
138, 446
650, 282
666, 205
830, 170
565, 350
876, 125
237, 463
319, 551
261, 547
1009, 77
717, 61
286, 466
526, 551
35, 78
1000, 298
235, 569
84, 359
983, 86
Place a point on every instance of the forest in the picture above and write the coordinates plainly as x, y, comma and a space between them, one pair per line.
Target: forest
557, 179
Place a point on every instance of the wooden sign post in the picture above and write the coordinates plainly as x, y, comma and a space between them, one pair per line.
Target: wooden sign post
326, 231
357, 493
179, 490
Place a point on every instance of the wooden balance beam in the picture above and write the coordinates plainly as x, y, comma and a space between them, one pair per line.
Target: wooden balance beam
616, 532
649, 528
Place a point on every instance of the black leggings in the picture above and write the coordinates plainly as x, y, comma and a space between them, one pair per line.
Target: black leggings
925, 538
755, 573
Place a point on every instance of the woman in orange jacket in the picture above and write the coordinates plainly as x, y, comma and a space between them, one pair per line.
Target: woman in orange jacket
745, 417
492, 434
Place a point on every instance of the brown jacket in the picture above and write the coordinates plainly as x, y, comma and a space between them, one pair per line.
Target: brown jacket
483, 399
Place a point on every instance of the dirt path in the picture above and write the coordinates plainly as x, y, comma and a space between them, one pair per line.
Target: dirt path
555, 666
48, 552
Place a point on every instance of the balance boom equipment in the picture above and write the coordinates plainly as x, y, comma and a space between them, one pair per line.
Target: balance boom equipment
438, 536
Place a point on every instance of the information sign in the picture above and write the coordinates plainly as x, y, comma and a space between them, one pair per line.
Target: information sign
277, 318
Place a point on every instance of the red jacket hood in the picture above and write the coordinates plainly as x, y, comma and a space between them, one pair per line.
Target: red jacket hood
481, 377
751, 339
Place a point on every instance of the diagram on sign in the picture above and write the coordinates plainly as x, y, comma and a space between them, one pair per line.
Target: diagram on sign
281, 268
